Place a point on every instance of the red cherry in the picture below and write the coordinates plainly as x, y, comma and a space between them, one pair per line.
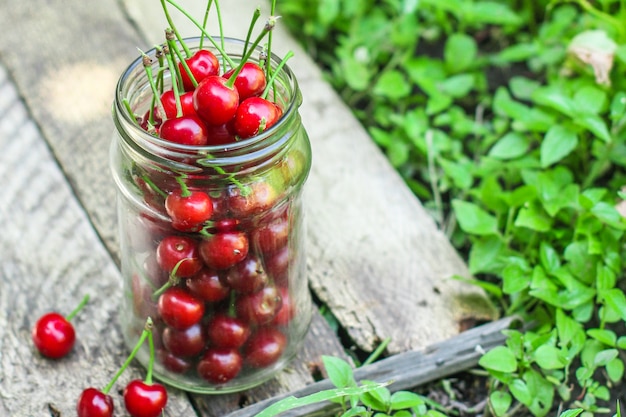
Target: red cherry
168, 100
265, 347
260, 307
144, 400
227, 332
188, 212
250, 81
94, 403
247, 276
173, 363
53, 335
186, 342
201, 64
179, 251
179, 309
253, 116
185, 130
214, 101
207, 286
220, 365
224, 249
220, 134
272, 236
287, 311
260, 196
277, 265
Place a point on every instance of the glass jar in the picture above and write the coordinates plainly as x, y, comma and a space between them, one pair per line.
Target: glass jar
229, 298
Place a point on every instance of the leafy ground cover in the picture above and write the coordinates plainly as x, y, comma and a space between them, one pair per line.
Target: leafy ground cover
508, 120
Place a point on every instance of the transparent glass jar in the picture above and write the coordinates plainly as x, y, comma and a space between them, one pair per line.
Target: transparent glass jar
229, 301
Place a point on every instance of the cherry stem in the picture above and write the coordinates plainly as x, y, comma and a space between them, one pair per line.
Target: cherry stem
173, 280
255, 17
171, 23
184, 190
153, 186
169, 55
169, 35
199, 26
245, 190
271, 22
268, 66
147, 65
79, 307
147, 330
204, 22
270, 82
148, 379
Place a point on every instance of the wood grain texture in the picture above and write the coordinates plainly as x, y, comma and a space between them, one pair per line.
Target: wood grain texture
376, 256
51, 257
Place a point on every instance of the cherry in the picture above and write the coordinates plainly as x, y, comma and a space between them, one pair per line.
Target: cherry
251, 80
215, 101
144, 400
168, 100
94, 403
260, 196
253, 116
277, 265
219, 365
259, 307
207, 286
201, 64
53, 334
227, 332
143, 305
272, 236
188, 210
265, 347
179, 309
247, 276
220, 134
224, 249
184, 343
179, 255
287, 311
185, 130
173, 363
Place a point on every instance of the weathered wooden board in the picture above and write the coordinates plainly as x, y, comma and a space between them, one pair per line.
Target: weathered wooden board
376, 257
50, 257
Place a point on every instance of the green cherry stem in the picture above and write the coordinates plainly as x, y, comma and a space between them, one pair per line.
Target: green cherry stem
171, 23
79, 307
172, 280
199, 26
221, 30
204, 22
270, 82
153, 186
169, 35
268, 67
147, 331
184, 189
175, 76
147, 65
148, 379
255, 17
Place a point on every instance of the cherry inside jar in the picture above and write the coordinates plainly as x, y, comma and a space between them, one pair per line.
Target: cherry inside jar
212, 237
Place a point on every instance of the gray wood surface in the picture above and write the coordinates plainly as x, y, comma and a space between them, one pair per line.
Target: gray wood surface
375, 256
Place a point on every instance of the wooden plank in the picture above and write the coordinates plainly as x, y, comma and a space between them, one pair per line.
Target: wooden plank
376, 257
408, 370
51, 258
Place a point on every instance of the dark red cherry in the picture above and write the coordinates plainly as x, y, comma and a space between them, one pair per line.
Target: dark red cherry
173, 363
246, 276
287, 310
201, 64
272, 236
186, 342
214, 101
184, 130
224, 249
250, 81
207, 286
259, 197
265, 347
219, 365
179, 309
224, 331
260, 307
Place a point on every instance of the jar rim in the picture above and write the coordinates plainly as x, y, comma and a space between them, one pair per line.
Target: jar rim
239, 145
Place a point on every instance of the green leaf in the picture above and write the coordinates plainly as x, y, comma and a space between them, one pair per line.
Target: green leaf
595, 125
392, 84
616, 300
490, 12
377, 399
605, 336
360, 75
501, 402
549, 257
486, 255
515, 279
457, 85
590, 99
473, 219
608, 214
500, 359
618, 106
554, 98
603, 357
534, 218
558, 142
339, 371
520, 391
549, 357
572, 413
512, 145
615, 370
401, 400
459, 52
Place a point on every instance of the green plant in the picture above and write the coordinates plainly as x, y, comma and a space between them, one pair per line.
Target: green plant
507, 119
